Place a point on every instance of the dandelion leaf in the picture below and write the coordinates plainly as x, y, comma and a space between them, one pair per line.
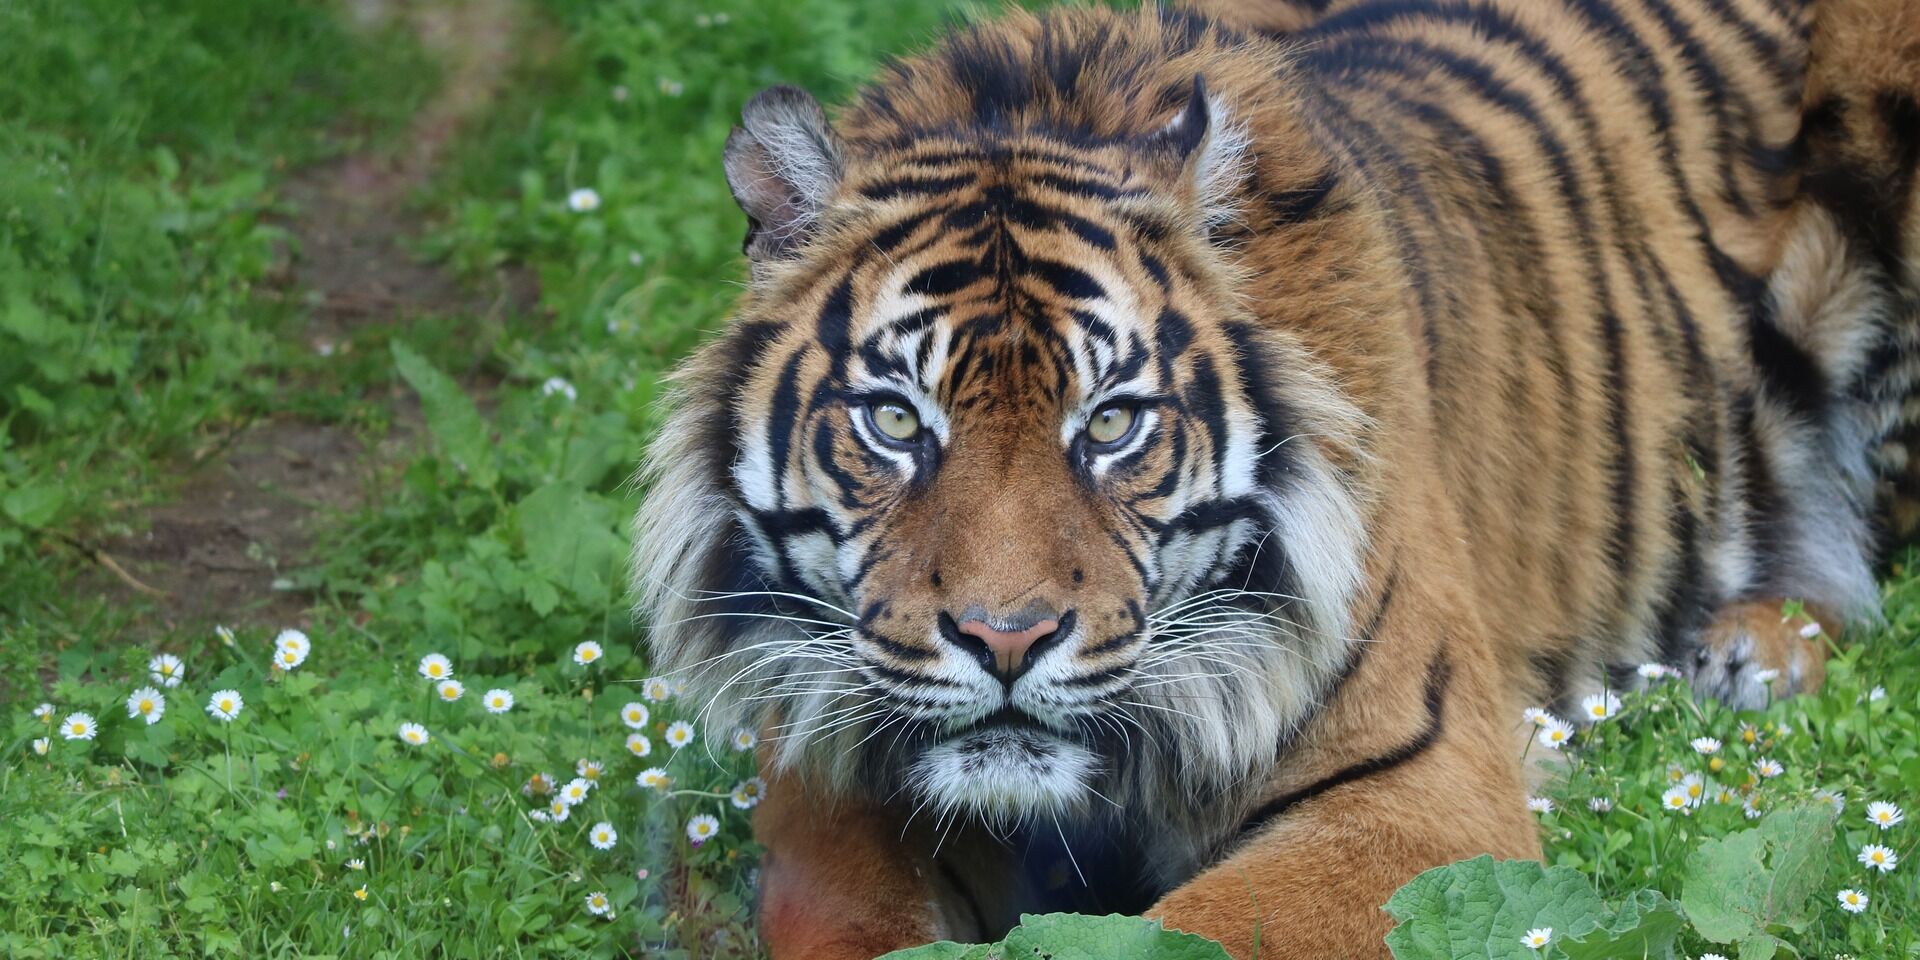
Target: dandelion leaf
451, 416
1069, 936
1482, 907
1743, 886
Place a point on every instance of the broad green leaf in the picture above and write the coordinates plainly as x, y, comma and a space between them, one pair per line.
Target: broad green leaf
571, 539
34, 506
1072, 936
450, 414
1741, 887
1482, 907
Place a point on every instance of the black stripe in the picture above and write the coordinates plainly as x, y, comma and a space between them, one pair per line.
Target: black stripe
914, 185
1439, 672
1301, 204
952, 877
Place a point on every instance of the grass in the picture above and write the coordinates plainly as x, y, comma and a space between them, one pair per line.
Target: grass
142, 154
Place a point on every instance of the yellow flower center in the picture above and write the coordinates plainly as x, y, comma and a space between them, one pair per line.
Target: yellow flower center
79, 728
146, 706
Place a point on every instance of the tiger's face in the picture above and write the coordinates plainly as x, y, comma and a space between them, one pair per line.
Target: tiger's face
982, 490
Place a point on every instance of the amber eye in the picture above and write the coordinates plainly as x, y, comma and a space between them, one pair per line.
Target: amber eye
895, 421
1111, 424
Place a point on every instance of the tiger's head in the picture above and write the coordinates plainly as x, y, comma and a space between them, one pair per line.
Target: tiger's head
993, 490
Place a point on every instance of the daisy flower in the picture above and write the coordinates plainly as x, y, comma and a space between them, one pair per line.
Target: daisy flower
1537, 937
602, 836
356, 864
1810, 630
589, 770
293, 641
540, 783
587, 653
361, 894
1711, 956
1766, 677
634, 715
1706, 746
560, 386
598, 904
1538, 716
436, 666
539, 816
224, 633
558, 811
414, 734
702, 828
450, 690
1555, 733
166, 670
224, 705
1879, 813
288, 659
497, 701
1877, 694
1852, 901
747, 793
1600, 804
583, 200
1768, 767
1599, 706
1748, 735
148, 703
1876, 857
1676, 800
679, 734
1656, 671
575, 791
653, 778
43, 712
743, 739
1540, 804
638, 744
1696, 789
41, 745
1750, 809
1833, 797
657, 690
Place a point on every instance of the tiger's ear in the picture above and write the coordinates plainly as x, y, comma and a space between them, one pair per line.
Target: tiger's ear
782, 164
1210, 151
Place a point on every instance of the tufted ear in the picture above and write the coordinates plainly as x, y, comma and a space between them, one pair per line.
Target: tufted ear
782, 164
1211, 153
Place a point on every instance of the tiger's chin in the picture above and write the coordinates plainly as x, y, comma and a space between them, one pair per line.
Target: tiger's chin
1006, 772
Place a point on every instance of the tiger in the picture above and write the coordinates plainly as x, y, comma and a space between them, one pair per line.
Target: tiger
1157, 453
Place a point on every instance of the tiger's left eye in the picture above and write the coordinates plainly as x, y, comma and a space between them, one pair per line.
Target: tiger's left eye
1111, 424
896, 422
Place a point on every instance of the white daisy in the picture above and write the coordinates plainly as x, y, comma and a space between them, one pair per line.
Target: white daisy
560, 386
1750, 808
224, 705
1711, 956
1600, 804
1540, 804
743, 739
653, 778
1766, 676
1876, 857
638, 744
1599, 706
657, 689
148, 703
293, 640
1768, 767
289, 659
414, 734
41, 745
166, 670
679, 734
1555, 733
43, 712
602, 836
583, 200
1877, 694
587, 653
1879, 813
1833, 797
1537, 937
1656, 671
1695, 788
1853, 901
634, 715
575, 791
436, 666
540, 783
539, 816
498, 701
702, 828
1706, 746
1810, 630
356, 864
747, 793
450, 690
558, 811
589, 770
79, 726
598, 904
1538, 716
1676, 800
225, 635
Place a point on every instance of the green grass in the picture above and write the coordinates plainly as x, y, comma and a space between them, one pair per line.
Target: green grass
142, 153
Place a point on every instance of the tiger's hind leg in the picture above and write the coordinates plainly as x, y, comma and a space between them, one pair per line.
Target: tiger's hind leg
1760, 650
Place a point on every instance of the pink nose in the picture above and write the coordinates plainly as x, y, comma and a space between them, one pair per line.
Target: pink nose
1009, 647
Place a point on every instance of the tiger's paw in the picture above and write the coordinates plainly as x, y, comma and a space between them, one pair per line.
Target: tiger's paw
1754, 652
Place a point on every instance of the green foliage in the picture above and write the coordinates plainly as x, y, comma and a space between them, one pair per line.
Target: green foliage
1066, 936
1483, 907
1746, 886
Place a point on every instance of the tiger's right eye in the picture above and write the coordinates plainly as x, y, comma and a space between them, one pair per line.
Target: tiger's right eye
895, 421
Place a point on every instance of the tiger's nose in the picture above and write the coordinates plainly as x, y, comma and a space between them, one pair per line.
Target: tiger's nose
1004, 651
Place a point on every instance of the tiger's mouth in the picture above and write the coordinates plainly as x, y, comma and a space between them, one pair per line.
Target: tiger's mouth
1006, 765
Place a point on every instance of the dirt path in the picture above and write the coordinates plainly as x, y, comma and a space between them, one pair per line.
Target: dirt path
221, 550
